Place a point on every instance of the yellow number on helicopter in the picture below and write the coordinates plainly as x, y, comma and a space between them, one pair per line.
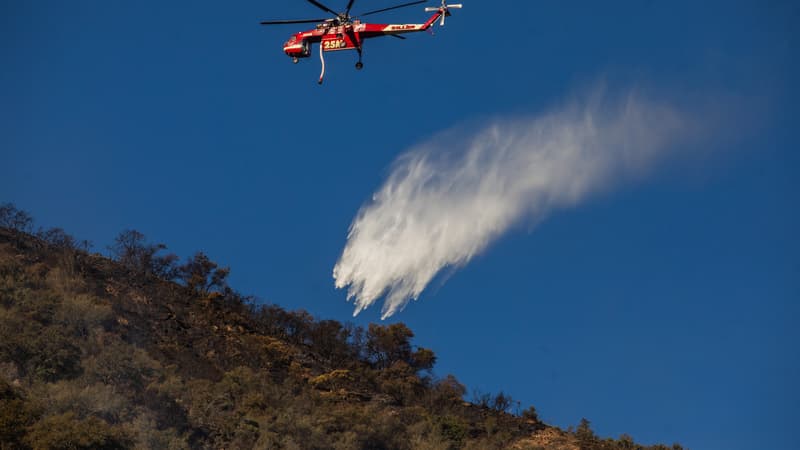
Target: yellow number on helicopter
334, 45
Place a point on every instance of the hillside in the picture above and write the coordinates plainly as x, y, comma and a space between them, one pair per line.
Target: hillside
141, 351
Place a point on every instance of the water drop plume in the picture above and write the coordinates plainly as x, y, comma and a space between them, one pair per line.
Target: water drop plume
447, 199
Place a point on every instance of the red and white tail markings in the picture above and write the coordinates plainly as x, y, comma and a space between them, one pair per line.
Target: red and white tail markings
440, 13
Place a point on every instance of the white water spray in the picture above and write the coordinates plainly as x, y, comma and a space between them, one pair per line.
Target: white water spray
446, 200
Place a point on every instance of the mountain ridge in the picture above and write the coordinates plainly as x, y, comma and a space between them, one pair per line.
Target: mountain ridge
139, 351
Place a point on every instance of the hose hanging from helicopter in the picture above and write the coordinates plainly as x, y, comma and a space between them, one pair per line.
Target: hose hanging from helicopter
321, 58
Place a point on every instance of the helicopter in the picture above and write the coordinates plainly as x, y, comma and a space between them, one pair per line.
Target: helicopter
346, 32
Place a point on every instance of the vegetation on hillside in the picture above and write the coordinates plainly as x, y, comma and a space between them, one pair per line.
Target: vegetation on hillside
142, 351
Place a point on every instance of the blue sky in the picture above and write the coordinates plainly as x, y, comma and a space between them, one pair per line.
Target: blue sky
666, 309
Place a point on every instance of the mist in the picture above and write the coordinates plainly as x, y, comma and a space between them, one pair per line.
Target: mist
446, 200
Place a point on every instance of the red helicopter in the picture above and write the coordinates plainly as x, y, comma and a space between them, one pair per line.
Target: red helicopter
345, 32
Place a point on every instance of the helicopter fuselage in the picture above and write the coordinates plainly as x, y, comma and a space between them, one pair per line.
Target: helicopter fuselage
348, 36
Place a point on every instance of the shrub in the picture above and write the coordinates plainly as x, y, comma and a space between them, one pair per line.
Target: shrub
67, 432
53, 356
15, 415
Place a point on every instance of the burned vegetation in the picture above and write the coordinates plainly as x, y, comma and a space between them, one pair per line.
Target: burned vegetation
141, 350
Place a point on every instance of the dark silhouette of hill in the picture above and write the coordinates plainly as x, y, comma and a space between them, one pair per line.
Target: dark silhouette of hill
141, 351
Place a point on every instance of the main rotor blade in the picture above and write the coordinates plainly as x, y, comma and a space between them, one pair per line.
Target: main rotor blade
349, 6
282, 22
323, 7
397, 36
391, 8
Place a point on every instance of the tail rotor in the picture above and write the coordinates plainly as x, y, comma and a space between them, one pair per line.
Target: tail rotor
444, 9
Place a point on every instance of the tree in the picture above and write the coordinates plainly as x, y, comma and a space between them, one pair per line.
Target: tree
204, 276
386, 345
482, 399
59, 238
16, 219
446, 392
584, 433
502, 402
132, 250
330, 339
531, 414
423, 359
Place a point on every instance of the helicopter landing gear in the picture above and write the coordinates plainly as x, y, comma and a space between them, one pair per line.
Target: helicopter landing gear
359, 64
